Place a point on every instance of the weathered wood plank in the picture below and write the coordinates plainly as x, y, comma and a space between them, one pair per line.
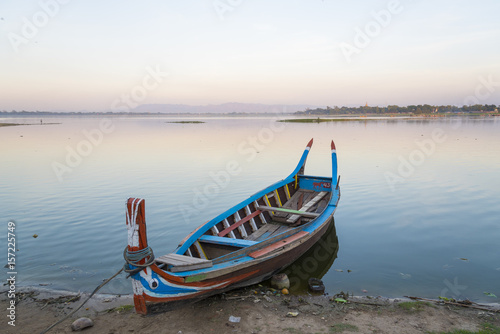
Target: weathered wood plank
261, 215
183, 263
292, 202
277, 245
263, 243
307, 206
268, 228
287, 192
225, 223
295, 212
235, 225
278, 199
215, 230
253, 225
279, 230
241, 228
200, 250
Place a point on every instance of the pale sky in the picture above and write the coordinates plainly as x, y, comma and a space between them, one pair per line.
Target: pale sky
106, 55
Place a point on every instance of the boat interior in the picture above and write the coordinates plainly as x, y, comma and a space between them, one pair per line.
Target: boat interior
272, 214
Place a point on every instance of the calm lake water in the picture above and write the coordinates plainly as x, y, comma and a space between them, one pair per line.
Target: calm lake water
419, 213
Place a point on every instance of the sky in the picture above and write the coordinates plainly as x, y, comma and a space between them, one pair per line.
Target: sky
69, 55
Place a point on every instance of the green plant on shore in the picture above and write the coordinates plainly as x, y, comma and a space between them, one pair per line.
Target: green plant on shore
339, 328
123, 308
486, 329
414, 306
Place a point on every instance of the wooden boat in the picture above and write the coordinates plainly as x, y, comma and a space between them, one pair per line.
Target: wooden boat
246, 244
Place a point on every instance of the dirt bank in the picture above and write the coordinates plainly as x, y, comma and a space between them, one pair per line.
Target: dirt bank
258, 313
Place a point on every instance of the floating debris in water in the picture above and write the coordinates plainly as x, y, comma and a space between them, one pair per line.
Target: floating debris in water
405, 276
489, 294
463, 259
339, 270
35, 236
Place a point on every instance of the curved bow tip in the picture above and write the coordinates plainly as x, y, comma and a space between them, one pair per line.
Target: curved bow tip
333, 145
310, 144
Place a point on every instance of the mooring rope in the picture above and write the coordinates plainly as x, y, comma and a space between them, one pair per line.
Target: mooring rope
86, 300
134, 257
131, 258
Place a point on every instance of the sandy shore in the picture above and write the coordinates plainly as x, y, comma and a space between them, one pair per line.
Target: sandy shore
258, 313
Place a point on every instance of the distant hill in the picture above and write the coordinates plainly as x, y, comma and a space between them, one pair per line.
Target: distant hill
224, 108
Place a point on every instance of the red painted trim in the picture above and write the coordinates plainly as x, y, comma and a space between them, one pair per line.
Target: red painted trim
166, 276
235, 225
333, 145
171, 299
310, 144
140, 304
278, 244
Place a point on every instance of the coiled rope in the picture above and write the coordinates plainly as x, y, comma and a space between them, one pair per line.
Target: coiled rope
131, 258
134, 257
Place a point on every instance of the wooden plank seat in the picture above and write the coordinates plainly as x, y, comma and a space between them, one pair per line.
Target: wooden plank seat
293, 202
177, 262
267, 231
292, 219
213, 239
290, 211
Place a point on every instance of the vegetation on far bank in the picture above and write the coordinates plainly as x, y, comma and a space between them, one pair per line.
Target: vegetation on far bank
321, 120
420, 109
16, 124
393, 110
9, 124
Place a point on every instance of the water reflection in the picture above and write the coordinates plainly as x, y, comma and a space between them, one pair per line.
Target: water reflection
314, 263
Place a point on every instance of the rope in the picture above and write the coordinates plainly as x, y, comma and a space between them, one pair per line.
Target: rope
131, 258
86, 300
134, 257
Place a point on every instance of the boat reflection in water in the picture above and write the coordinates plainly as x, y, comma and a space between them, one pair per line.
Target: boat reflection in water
315, 263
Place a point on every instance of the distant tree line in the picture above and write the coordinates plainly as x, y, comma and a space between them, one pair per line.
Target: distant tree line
394, 109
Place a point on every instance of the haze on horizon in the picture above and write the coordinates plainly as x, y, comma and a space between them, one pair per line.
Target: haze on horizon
112, 55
